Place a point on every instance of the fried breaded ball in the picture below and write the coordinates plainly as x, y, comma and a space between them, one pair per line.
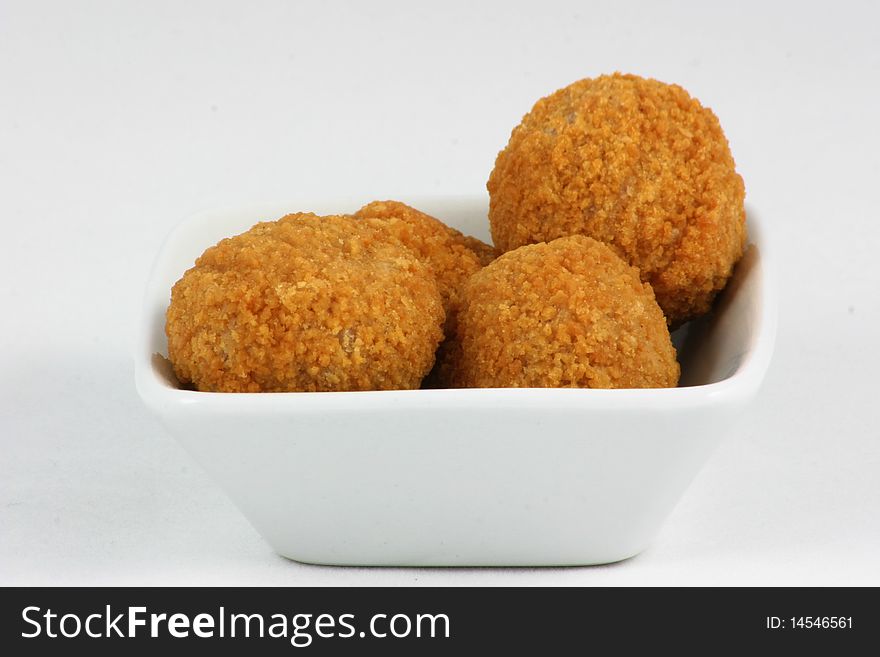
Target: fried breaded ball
452, 256
305, 303
637, 164
570, 313
486, 253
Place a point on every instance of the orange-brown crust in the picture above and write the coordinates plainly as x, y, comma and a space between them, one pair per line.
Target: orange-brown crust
452, 256
569, 313
486, 253
637, 164
439, 246
305, 303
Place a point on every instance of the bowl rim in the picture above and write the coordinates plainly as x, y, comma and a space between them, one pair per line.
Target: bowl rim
156, 393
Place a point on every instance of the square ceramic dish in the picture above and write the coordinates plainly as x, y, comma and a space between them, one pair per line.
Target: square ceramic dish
478, 477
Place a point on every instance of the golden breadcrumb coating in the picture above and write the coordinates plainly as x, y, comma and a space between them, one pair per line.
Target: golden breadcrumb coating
452, 256
637, 164
570, 313
305, 303
485, 252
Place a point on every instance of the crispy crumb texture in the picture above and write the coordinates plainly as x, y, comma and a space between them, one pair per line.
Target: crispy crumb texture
485, 253
305, 303
451, 256
637, 164
569, 313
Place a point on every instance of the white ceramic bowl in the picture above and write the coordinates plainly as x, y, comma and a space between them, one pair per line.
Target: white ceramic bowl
479, 477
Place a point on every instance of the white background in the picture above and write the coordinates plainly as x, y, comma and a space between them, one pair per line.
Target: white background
117, 120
